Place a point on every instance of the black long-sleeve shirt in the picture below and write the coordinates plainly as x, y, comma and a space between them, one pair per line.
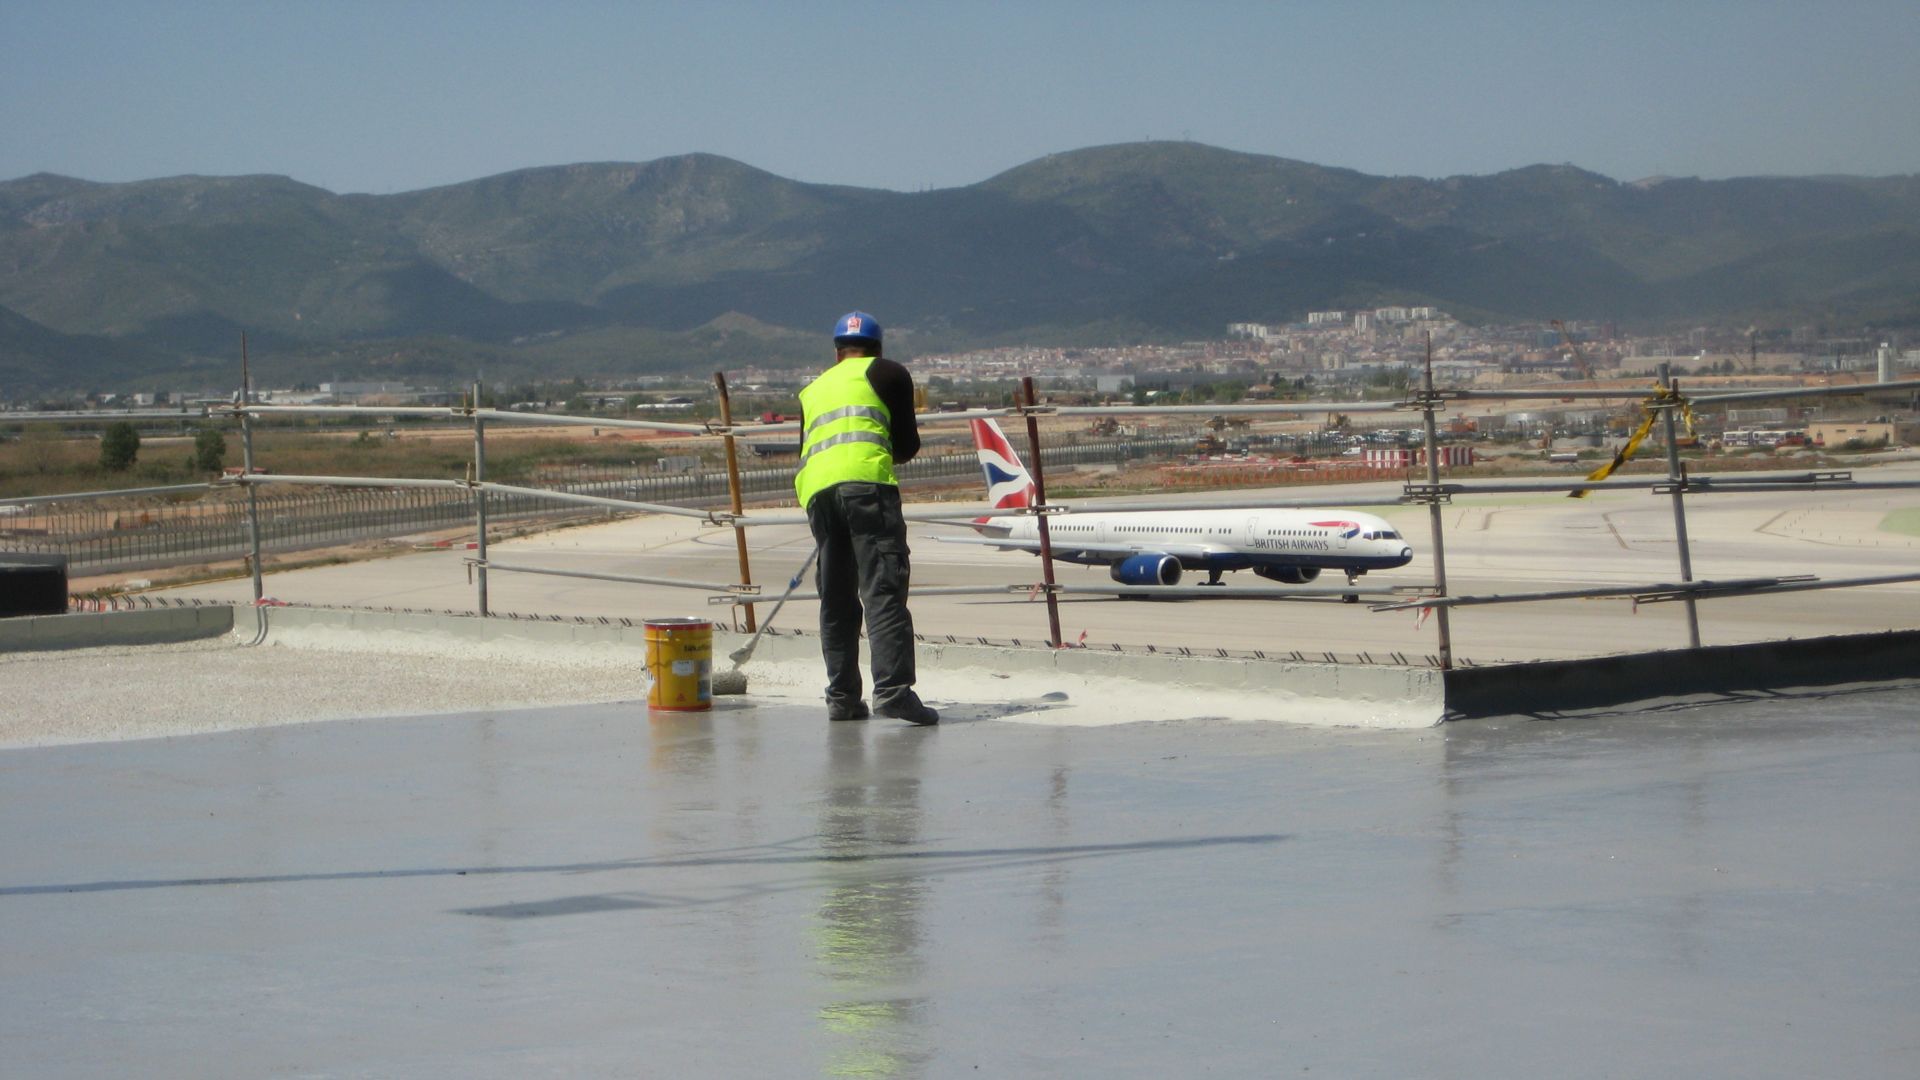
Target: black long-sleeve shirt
894, 386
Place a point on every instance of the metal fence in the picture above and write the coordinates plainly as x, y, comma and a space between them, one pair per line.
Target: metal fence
118, 533
358, 506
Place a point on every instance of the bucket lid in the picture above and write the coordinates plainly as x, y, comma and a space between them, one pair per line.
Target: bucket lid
680, 621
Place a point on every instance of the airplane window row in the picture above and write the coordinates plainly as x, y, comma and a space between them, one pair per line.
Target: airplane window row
1382, 534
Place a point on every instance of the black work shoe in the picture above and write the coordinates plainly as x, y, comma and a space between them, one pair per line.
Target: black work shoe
913, 712
855, 711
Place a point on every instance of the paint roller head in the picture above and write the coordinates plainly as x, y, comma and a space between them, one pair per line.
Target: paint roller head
729, 682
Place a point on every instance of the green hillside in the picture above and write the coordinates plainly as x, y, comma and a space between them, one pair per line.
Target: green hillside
622, 266
33, 356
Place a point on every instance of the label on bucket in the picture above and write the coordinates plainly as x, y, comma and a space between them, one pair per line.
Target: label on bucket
680, 663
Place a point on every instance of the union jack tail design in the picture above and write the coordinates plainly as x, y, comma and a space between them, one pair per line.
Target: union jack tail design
1008, 484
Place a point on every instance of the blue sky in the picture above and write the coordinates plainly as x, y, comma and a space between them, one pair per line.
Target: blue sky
394, 96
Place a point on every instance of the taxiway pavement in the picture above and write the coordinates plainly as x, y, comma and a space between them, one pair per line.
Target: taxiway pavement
1494, 544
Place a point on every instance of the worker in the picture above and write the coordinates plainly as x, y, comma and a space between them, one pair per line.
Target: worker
856, 423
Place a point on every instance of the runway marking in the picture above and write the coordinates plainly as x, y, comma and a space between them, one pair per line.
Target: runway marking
1615, 530
1485, 519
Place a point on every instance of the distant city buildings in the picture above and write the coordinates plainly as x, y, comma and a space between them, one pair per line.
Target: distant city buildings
378, 393
1383, 346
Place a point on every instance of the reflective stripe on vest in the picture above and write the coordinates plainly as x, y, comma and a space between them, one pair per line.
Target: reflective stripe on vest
843, 439
878, 416
847, 436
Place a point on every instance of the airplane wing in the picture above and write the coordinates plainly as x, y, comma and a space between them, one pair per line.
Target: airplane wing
1116, 552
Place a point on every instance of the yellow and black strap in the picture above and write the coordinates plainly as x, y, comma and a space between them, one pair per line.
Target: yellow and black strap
1661, 394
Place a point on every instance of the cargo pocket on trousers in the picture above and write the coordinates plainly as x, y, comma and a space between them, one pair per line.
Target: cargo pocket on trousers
892, 568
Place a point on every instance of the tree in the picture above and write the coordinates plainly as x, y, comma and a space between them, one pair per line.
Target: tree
119, 446
40, 448
209, 450
1394, 379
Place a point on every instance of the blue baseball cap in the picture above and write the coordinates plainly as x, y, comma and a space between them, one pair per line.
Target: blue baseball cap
856, 326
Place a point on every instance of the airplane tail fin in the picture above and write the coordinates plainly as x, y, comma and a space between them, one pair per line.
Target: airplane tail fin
1008, 483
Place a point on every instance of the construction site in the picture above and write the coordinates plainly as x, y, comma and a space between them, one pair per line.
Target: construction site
1613, 763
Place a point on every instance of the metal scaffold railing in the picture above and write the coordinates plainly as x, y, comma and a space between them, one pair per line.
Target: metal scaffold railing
485, 502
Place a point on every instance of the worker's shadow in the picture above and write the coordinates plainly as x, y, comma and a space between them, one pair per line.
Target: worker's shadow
967, 712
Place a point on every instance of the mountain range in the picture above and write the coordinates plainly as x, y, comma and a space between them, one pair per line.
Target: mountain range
687, 262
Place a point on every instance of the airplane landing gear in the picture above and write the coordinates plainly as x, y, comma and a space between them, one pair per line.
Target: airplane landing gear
1213, 577
1353, 578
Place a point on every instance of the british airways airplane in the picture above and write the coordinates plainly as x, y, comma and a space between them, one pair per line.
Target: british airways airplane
1155, 547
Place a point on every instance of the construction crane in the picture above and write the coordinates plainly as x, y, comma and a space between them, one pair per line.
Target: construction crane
1573, 349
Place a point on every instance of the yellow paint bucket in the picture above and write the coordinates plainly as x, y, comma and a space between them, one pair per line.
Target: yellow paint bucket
680, 663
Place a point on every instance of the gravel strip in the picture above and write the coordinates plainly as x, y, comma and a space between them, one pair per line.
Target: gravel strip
151, 691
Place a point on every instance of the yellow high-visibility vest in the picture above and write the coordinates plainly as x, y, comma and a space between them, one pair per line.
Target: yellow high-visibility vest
847, 436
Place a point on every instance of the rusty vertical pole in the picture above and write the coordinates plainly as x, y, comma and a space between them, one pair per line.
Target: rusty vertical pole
733, 488
1040, 517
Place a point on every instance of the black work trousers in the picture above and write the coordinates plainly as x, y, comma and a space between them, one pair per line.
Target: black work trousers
863, 571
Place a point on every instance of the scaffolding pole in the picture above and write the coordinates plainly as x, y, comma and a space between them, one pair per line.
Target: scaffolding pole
628, 579
246, 470
1653, 593
1041, 509
1442, 626
480, 504
733, 489
1677, 475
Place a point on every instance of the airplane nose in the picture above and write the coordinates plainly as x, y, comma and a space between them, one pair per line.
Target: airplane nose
1406, 553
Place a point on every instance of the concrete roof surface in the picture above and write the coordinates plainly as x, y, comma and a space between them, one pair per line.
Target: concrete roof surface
1717, 889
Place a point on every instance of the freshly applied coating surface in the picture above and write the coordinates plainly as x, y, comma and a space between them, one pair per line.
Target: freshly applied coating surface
1720, 890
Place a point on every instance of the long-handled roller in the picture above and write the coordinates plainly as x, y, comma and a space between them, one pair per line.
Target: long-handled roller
742, 654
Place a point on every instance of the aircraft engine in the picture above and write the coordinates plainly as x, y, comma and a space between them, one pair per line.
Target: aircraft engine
1288, 575
1147, 570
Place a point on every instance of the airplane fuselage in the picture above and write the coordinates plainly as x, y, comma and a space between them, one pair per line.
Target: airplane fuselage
1219, 540
1155, 547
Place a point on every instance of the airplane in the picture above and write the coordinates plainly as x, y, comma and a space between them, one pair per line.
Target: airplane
1155, 547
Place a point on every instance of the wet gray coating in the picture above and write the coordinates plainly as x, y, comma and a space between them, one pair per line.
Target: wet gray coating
1718, 890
